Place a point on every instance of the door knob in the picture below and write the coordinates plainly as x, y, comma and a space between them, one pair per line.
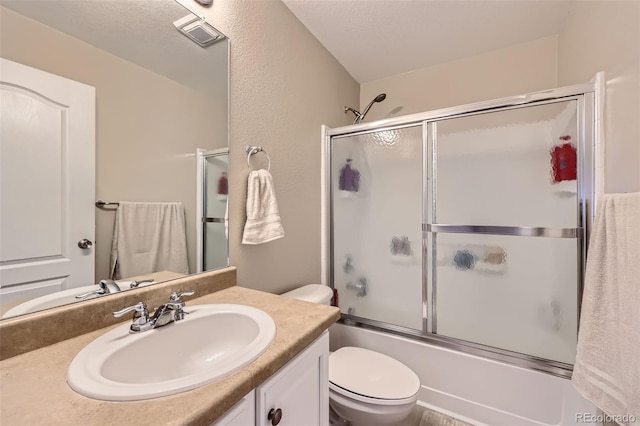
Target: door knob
85, 244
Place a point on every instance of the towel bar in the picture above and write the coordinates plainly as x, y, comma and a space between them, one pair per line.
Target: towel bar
250, 150
102, 204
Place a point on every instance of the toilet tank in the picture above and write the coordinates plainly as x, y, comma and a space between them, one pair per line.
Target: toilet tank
316, 293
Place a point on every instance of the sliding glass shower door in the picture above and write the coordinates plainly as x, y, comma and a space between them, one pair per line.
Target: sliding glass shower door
467, 227
504, 225
215, 247
377, 225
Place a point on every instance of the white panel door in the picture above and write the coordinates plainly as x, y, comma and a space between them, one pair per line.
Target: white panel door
47, 180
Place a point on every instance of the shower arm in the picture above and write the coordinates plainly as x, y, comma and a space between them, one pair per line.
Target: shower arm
356, 113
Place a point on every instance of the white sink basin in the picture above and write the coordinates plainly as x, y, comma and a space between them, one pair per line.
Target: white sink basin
211, 342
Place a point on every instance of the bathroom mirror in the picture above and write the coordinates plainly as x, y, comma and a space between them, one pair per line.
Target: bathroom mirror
161, 136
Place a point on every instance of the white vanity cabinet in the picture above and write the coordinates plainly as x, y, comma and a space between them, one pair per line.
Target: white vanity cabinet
242, 414
300, 390
297, 395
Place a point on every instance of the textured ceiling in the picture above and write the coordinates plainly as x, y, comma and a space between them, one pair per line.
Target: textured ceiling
139, 31
374, 39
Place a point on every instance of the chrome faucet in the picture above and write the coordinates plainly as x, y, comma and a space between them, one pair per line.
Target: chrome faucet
361, 287
167, 313
106, 287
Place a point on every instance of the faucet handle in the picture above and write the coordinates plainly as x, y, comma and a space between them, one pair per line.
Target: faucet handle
98, 292
140, 308
141, 320
136, 284
175, 296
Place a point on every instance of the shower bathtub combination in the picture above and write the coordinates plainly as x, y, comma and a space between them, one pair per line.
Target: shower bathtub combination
455, 241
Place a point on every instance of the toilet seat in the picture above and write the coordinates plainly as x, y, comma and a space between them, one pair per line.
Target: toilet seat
371, 377
370, 400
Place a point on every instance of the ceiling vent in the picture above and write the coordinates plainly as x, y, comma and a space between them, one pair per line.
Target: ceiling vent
198, 30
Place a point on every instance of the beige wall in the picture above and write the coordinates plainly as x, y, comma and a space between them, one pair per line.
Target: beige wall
605, 36
598, 36
284, 85
145, 137
521, 68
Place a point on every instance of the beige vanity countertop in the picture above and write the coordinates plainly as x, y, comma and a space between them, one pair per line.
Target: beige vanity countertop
34, 391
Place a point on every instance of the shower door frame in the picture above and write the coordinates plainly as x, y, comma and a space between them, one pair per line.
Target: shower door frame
202, 198
585, 97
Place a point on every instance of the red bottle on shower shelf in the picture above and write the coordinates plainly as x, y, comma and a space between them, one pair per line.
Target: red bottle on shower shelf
564, 160
223, 184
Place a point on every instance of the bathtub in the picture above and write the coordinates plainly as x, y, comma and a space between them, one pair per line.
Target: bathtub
474, 389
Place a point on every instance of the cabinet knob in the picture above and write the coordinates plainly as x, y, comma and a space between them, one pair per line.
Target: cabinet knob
275, 415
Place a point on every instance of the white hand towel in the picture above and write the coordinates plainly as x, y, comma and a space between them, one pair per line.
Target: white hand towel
263, 219
607, 368
147, 238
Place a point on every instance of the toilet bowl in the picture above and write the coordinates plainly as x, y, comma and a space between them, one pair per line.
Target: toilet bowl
370, 388
365, 387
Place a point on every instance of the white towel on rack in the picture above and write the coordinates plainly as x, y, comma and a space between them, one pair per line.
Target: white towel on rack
263, 219
607, 367
147, 238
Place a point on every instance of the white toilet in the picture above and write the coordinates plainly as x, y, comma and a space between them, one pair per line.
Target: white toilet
365, 387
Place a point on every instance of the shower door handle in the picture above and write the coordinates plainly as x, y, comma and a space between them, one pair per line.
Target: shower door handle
213, 220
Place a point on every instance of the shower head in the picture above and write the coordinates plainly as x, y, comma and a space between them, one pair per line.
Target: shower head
381, 97
360, 116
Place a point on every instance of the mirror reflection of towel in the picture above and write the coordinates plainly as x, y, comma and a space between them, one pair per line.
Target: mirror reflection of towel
148, 237
263, 218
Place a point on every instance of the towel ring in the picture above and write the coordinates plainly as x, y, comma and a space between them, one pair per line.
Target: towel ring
250, 150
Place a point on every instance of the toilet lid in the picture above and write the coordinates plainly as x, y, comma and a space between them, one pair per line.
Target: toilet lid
316, 293
372, 374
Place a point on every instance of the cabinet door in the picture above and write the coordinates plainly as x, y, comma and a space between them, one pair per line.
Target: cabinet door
300, 390
242, 414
